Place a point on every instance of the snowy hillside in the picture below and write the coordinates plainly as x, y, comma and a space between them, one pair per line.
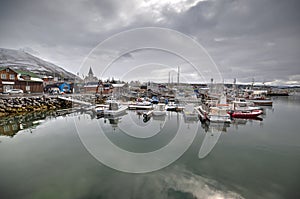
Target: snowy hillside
20, 60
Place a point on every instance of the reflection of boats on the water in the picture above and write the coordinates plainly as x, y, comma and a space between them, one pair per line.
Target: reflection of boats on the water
113, 121
146, 119
206, 125
10, 126
239, 121
158, 112
147, 116
243, 121
190, 119
159, 117
189, 114
212, 134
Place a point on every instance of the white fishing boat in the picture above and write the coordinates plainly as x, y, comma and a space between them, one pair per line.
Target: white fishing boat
114, 109
241, 104
217, 114
259, 97
213, 114
145, 105
159, 109
262, 102
98, 109
172, 106
215, 110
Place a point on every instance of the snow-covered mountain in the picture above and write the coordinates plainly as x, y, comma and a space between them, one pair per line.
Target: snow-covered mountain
21, 60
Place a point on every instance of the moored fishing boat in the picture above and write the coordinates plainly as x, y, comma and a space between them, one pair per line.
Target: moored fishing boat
114, 109
241, 104
172, 106
259, 98
215, 110
262, 102
218, 114
213, 114
98, 109
145, 105
245, 114
159, 109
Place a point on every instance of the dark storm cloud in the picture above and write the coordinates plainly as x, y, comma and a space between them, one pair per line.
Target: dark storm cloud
247, 39
61, 30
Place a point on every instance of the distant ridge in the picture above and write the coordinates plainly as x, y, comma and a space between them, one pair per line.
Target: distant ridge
21, 60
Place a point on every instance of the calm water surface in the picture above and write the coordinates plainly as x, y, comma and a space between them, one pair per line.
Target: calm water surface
42, 156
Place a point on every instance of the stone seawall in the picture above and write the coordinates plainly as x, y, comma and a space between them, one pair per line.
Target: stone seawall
29, 104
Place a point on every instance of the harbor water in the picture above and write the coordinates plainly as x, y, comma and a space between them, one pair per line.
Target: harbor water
45, 156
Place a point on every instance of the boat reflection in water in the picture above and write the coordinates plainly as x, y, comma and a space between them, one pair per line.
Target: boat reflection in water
212, 134
113, 120
242, 121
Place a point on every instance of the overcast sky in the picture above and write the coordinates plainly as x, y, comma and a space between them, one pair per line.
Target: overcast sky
245, 38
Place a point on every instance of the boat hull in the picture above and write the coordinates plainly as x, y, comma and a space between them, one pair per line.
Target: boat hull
263, 102
246, 114
120, 111
139, 107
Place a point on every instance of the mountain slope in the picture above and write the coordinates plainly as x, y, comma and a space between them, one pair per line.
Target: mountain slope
20, 60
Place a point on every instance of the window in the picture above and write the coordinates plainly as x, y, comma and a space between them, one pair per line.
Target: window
12, 76
14, 127
6, 128
3, 76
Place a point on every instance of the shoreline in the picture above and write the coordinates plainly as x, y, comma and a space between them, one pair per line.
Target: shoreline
23, 104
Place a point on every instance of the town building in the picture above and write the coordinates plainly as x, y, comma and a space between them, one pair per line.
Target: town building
15, 79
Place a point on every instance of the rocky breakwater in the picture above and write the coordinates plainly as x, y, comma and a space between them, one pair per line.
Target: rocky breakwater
30, 104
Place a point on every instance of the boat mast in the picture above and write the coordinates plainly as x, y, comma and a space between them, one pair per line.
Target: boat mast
178, 71
252, 83
234, 88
